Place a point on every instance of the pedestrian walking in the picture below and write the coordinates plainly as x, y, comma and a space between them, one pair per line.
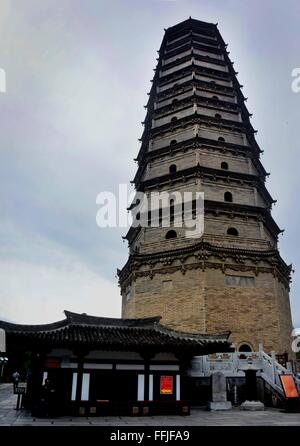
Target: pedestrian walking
16, 379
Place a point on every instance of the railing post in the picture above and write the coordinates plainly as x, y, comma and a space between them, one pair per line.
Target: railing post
274, 374
261, 358
235, 361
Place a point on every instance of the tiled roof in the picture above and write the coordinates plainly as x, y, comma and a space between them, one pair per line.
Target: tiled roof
115, 334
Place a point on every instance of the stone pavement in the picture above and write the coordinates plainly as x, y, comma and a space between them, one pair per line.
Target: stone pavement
199, 417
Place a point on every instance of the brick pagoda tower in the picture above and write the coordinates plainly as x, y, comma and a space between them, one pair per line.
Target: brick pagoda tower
198, 137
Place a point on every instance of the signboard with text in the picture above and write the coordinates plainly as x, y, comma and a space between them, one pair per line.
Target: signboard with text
20, 390
289, 386
166, 385
52, 363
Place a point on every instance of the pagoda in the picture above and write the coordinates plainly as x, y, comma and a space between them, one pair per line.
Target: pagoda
198, 137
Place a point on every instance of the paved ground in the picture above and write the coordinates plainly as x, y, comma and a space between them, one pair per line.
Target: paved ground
270, 417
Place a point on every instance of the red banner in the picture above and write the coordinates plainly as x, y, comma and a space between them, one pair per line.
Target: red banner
52, 363
166, 385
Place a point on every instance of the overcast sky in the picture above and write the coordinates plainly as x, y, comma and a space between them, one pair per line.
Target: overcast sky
77, 76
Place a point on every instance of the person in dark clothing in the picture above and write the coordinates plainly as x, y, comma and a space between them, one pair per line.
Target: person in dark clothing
16, 379
47, 406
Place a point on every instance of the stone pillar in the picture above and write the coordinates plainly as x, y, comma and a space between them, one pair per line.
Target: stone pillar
251, 389
251, 403
219, 393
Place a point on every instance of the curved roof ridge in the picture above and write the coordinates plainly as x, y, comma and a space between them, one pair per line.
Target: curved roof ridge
168, 330
77, 319
10, 326
86, 319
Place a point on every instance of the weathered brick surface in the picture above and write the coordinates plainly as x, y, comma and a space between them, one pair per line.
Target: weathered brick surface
200, 301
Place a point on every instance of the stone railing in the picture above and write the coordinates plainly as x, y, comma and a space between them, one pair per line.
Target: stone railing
234, 364
227, 363
271, 370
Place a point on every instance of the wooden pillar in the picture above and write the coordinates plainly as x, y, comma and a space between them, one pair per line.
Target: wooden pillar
181, 378
147, 384
79, 379
80, 353
35, 380
147, 369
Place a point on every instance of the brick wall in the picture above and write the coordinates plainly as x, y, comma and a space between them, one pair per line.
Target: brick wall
200, 301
